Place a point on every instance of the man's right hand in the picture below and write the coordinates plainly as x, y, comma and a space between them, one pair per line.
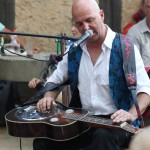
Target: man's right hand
45, 104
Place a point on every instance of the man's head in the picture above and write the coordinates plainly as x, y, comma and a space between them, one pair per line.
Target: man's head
146, 9
87, 15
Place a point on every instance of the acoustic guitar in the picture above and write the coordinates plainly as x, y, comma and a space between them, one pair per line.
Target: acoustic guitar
60, 123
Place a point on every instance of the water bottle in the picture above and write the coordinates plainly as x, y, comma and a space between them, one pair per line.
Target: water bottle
14, 42
2, 46
58, 41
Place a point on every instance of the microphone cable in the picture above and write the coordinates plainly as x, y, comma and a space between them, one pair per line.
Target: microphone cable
86, 35
58, 57
3, 52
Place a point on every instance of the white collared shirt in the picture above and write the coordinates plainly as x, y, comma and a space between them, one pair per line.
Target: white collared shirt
94, 80
140, 33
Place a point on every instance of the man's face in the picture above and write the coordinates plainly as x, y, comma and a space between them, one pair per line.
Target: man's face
146, 9
85, 20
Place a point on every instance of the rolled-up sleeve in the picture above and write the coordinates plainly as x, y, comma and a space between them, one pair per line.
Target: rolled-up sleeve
60, 75
143, 81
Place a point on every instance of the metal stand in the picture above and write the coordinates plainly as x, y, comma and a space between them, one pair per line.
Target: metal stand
66, 94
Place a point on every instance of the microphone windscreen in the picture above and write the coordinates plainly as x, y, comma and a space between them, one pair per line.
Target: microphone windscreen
90, 32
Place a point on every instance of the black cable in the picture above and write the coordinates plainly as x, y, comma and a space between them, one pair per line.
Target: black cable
23, 55
58, 58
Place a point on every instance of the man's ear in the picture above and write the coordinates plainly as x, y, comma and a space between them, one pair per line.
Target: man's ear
143, 10
102, 14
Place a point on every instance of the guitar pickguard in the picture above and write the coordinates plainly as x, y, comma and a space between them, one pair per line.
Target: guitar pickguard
30, 113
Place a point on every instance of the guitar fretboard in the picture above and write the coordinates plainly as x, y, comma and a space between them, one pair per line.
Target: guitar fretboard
100, 121
89, 119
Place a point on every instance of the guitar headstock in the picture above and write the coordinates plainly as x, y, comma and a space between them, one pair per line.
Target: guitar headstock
128, 127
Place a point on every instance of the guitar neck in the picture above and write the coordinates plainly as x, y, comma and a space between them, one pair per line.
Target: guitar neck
100, 122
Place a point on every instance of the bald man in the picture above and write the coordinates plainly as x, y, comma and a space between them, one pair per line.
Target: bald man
98, 83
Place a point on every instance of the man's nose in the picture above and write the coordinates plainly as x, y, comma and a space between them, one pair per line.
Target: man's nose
85, 26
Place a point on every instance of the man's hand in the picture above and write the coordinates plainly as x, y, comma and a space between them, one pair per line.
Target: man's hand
122, 116
34, 82
46, 103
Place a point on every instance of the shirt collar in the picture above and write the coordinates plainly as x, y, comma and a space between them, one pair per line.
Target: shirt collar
108, 40
144, 27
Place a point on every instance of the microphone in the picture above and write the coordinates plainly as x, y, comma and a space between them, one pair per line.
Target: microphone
86, 35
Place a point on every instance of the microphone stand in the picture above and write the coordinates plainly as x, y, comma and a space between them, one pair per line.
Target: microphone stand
60, 37
42, 35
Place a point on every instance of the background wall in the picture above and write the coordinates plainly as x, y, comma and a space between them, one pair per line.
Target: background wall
129, 7
53, 17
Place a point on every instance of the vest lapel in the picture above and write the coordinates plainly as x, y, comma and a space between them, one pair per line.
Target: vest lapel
118, 88
74, 57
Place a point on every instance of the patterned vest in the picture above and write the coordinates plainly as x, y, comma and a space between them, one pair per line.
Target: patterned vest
120, 93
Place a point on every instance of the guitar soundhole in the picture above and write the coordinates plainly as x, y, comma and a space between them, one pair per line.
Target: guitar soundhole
30, 113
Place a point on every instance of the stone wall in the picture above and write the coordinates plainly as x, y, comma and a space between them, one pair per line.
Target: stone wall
129, 7
53, 17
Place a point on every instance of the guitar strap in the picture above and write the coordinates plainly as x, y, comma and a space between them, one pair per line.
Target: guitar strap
39, 94
130, 71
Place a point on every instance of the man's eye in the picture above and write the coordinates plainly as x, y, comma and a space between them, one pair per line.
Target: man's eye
90, 20
148, 7
78, 24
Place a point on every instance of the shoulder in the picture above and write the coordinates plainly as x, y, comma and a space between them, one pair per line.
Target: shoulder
135, 29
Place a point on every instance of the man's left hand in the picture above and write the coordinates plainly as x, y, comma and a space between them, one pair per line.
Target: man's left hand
122, 116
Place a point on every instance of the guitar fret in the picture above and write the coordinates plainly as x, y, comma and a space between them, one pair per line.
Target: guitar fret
72, 116
89, 119
98, 120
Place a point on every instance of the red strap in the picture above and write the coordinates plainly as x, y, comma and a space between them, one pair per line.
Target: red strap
130, 70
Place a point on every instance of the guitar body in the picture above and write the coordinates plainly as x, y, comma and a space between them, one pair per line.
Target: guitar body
27, 122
